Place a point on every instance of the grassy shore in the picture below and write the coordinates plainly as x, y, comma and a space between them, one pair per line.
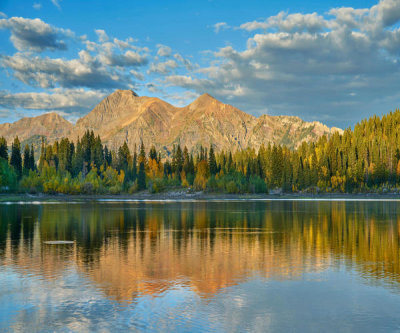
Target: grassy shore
182, 195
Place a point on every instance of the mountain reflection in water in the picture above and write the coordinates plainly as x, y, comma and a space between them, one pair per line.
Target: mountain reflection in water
128, 251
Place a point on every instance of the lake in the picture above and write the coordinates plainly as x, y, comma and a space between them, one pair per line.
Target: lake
220, 266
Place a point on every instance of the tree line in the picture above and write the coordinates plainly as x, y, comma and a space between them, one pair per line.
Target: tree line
361, 160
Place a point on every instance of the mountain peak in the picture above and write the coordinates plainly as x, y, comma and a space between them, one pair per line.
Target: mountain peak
204, 100
127, 92
125, 117
205, 97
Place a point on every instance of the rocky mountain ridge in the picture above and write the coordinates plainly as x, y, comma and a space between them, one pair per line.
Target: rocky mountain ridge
125, 116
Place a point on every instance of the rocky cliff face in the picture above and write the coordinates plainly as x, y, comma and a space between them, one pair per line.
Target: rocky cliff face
124, 116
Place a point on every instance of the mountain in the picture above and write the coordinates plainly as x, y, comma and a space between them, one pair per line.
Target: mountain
125, 116
51, 125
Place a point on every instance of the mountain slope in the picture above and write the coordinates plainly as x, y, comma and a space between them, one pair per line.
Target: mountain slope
124, 116
51, 125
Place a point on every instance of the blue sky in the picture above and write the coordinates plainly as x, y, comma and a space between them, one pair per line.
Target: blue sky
332, 61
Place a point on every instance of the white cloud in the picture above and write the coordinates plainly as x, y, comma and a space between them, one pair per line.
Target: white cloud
37, 5
66, 101
35, 35
306, 64
85, 71
163, 67
137, 74
3, 15
163, 50
56, 3
102, 36
187, 63
100, 66
220, 26
289, 23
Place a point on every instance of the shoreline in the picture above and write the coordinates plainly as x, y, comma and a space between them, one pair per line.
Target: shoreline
195, 196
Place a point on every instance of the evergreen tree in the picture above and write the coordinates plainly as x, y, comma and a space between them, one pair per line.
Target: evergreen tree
107, 156
78, 163
212, 164
141, 177
3, 148
153, 153
142, 155
16, 160
42, 157
32, 159
27, 161
65, 155
124, 157
97, 152
177, 160
134, 165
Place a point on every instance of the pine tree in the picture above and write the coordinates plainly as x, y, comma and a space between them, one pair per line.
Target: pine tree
97, 152
78, 164
134, 165
27, 161
141, 177
124, 157
153, 153
16, 160
177, 160
212, 164
3, 148
142, 155
42, 157
32, 159
65, 155
107, 156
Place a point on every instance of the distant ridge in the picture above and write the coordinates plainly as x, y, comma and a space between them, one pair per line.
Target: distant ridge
125, 116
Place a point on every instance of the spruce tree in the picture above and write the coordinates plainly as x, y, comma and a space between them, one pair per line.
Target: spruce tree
27, 161
3, 148
142, 155
42, 157
141, 177
212, 164
153, 153
32, 158
124, 156
16, 160
134, 165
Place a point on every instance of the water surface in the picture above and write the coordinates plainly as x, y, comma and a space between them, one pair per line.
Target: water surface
200, 266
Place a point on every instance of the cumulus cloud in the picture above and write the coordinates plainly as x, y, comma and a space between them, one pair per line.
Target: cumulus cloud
290, 23
185, 62
35, 35
69, 102
137, 74
182, 99
220, 26
85, 71
332, 67
102, 36
129, 58
100, 65
163, 67
122, 53
163, 50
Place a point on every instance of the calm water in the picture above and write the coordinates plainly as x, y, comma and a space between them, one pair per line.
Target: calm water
201, 266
